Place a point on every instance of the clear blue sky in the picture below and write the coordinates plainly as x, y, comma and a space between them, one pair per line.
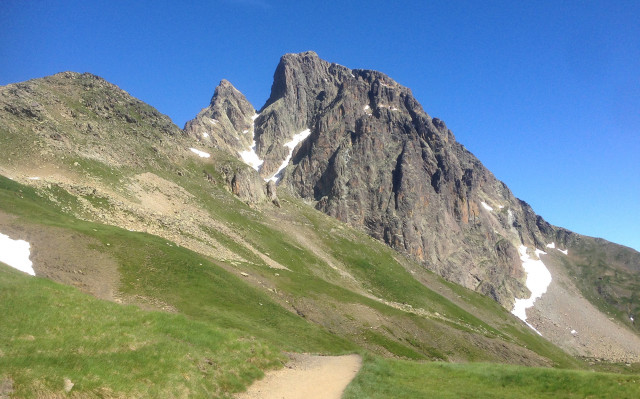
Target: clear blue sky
546, 94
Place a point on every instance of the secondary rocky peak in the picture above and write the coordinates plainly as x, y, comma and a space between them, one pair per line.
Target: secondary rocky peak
228, 103
227, 123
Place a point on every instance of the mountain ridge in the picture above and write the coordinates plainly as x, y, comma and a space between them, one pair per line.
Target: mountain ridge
185, 226
311, 93
369, 153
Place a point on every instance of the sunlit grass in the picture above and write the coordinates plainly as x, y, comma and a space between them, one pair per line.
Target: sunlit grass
387, 378
51, 332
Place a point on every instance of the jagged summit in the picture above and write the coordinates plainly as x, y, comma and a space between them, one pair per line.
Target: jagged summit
375, 159
226, 123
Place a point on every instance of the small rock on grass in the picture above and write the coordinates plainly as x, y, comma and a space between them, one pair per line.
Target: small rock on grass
68, 385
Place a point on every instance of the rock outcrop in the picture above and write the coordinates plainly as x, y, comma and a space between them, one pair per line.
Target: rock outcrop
226, 123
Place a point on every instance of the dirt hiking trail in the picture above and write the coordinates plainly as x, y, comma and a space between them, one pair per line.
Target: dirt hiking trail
306, 377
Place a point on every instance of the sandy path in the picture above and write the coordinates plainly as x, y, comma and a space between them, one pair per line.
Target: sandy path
307, 377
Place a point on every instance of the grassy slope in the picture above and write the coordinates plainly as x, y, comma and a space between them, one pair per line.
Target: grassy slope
221, 312
51, 332
375, 266
598, 266
388, 378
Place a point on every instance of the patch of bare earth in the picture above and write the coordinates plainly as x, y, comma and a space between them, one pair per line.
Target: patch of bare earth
307, 376
66, 257
146, 203
6, 388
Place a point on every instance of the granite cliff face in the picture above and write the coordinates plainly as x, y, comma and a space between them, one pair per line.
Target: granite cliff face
376, 160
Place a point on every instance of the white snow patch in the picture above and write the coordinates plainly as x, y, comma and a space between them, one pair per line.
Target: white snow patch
205, 134
486, 206
500, 206
213, 121
200, 153
367, 108
34, 178
15, 253
574, 332
353, 76
297, 139
631, 318
245, 131
553, 246
250, 157
538, 279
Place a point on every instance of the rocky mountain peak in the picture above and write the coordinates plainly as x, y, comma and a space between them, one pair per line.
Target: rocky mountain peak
227, 123
361, 148
356, 145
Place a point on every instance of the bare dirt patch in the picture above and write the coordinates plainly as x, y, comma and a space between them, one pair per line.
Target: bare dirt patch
6, 388
66, 257
307, 376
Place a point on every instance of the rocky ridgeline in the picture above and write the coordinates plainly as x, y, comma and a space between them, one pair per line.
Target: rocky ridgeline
354, 144
372, 158
376, 160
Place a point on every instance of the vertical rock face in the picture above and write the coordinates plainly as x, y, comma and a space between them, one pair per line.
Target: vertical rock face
376, 160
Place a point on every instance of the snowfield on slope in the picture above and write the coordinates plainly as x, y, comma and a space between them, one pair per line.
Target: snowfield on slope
297, 139
553, 246
15, 253
538, 279
486, 206
201, 154
250, 156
